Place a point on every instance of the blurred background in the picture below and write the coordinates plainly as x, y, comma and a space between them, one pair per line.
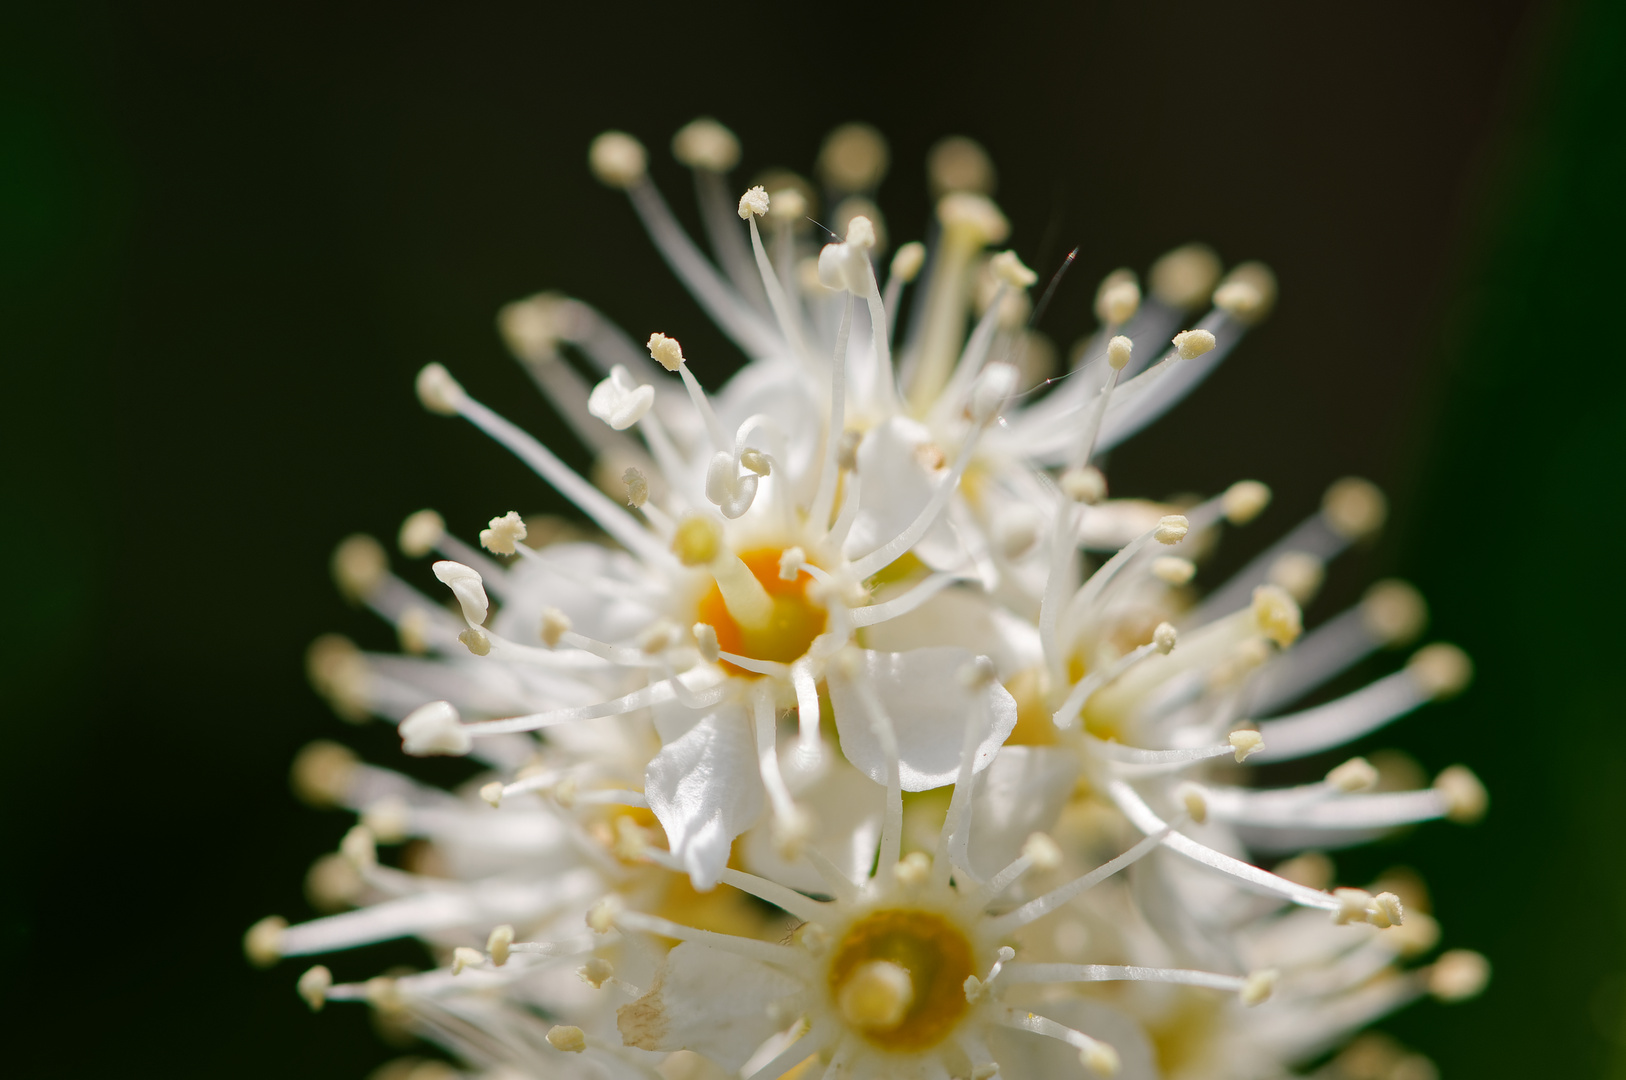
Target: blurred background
231, 234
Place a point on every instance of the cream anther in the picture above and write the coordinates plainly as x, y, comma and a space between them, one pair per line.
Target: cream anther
467, 586
1173, 570
500, 536
555, 625
854, 157
438, 391
412, 628
1393, 612
1118, 352
1185, 277
1008, 268
359, 847
1165, 636
435, 728
1247, 293
790, 563
1441, 670
1257, 987
617, 159
359, 564
706, 144
492, 792
420, 533
860, 233
533, 327
697, 540
314, 985
1385, 911
1100, 1058
1353, 905
619, 400
388, 819
1194, 802
959, 164
263, 942
1277, 615
756, 461
463, 957
1465, 797
972, 217
1354, 508
637, 488
754, 203
475, 640
705, 639
1191, 344
1043, 852
1245, 500
601, 916
567, 1037
666, 351
1312, 870
1117, 298
907, 261
322, 773
1300, 574
1356, 774
1084, 484
596, 972
991, 391
876, 996
1171, 529
659, 636
1244, 742
338, 671
787, 205
1458, 975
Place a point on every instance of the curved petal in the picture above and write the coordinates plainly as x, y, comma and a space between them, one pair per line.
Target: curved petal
921, 691
896, 487
707, 1001
705, 790
846, 810
1021, 793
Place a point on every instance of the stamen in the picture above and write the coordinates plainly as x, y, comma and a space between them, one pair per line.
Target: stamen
1097, 1056
1080, 973
1040, 907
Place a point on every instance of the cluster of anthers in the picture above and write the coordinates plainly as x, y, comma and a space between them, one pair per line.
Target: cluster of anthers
867, 737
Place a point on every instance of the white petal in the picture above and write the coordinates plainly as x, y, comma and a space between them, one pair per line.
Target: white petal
1021, 793
895, 488
467, 586
705, 790
846, 810
707, 1001
920, 690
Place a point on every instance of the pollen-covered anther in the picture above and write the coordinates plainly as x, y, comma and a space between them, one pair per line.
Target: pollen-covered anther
907, 261
706, 144
1043, 852
359, 566
476, 641
313, 986
1385, 911
787, 205
637, 488
420, 533
601, 916
620, 400
1084, 484
1185, 277
1441, 670
1277, 615
438, 391
697, 540
388, 819
854, 157
1300, 573
262, 944
435, 728
1353, 904
1245, 500
754, 203
596, 972
502, 534
1393, 612
705, 639
972, 219
1257, 987
1165, 637
360, 847
567, 1037
1101, 1059
1458, 975
499, 942
1247, 293
1171, 529
1244, 742
1465, 797
1117, 298
1354, 508
617, 159
1356, 774
1119, 350
755, 461
791, 561
492, 792
1173, 570
1191, 344
659, 636
987, 1070
463, 957
876, 996
666, 351
1009, 269
1194, 802
555, 625
322, 773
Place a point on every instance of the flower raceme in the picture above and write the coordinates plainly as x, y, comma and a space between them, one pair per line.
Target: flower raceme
923, 750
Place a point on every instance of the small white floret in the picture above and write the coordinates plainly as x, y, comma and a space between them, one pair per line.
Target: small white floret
435, 728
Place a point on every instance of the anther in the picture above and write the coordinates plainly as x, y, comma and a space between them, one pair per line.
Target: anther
463, 957
1465, 797
959, 164
1277, 615
1442, 671
1171, 529
666, 351
1165, 637
854, 157
263, 942
438, 391
567, 1037
314, 985
1194, 802
972, 219
754, 203
412, 629
1084, 484
601, 916
555, 625
907, 260
790, 563
359, 565
1298, 572
1385, 911
359, 847
475, 640
388, 819
1356, 774
1191, 344
617, 159
637, 488
1257, 987
1100, 1058
1245, 500
435, 728
1354, 508
1393, 612
492, 792
1008, 268
1244, 742
706, 144
322, 773
1458, 975
1173, 570
1247, 293
499, 942
1117, 298
1118, 352
1043, 852
1185, 277
420, 533
502, 534
1353, 905
705, 639
596, 972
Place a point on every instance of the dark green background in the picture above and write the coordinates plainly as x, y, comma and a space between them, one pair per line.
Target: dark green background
229, 234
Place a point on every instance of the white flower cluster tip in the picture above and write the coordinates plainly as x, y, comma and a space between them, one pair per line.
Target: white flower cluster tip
869, 567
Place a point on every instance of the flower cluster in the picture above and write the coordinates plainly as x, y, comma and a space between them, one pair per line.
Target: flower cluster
866, 736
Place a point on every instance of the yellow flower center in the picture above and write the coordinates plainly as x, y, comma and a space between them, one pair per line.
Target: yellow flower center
790, 627
898, 976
